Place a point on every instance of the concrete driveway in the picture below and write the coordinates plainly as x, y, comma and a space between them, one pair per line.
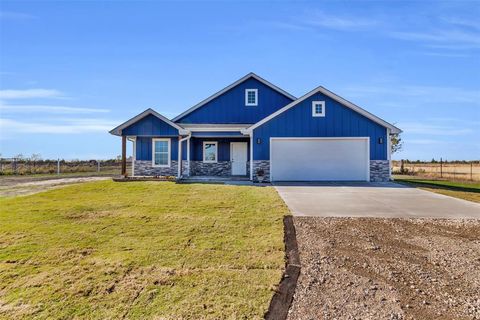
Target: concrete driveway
381, 200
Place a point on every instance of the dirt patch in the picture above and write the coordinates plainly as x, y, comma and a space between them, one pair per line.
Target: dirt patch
10, 187
367, 268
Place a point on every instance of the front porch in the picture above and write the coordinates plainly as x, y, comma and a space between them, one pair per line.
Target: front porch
225, 157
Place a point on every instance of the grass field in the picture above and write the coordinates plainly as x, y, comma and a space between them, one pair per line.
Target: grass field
141, 250
463, 190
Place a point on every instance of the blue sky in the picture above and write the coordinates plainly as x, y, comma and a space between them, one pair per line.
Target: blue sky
72, 70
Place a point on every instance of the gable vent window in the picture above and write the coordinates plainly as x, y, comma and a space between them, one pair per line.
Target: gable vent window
251, 97
318, 108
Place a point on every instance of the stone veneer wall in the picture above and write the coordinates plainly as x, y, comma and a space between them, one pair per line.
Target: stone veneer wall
145, 168
220, 168
379, 170
261, 164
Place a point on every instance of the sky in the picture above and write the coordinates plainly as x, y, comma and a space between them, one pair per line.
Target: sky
72, 70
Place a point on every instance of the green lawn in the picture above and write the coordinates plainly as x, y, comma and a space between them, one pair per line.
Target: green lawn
463, 190
141, 250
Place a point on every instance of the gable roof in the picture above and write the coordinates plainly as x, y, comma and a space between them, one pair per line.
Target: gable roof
333, 96
118, 130
219, 93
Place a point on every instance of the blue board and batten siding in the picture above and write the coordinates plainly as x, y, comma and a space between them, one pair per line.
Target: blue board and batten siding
339, 121
230, 106
150, 126
144, 148
223, 146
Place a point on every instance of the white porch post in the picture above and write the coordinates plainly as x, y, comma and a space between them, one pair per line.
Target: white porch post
179, 157
251, 156
188, 155
134, 154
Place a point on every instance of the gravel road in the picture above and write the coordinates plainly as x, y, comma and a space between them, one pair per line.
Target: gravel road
368, 268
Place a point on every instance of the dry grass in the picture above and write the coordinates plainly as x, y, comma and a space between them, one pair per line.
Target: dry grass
140, 250
449, 171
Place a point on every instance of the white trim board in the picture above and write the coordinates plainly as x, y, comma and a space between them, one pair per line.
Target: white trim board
333, 96
219, 93
118, 130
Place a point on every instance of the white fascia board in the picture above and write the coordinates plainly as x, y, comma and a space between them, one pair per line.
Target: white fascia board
335, 97
219, 93
118, 130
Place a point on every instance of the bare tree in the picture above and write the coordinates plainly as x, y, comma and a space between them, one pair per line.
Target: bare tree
34, 158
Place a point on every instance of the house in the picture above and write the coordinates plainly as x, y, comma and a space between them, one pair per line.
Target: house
253, 127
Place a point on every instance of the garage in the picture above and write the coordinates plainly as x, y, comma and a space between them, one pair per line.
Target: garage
320, 159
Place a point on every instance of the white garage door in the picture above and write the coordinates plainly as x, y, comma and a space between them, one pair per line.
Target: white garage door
319, 159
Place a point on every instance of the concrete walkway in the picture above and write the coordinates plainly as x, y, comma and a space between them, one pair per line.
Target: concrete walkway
383, 200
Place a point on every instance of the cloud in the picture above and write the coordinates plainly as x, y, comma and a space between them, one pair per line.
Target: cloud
69, 126
330, 21
441, 38
423, 141
422, 94
30, 93
321, 20
11, 15
48, 109
433, 129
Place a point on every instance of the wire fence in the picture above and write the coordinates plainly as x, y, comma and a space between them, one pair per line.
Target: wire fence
17, 166
467, 171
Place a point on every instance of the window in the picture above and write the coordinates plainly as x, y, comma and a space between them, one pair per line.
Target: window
318, 108
161, 152
209, 151
251, 97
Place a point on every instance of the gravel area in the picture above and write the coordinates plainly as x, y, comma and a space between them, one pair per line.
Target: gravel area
10, 187
369, 268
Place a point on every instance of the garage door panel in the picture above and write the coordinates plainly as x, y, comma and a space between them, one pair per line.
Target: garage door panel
319, 159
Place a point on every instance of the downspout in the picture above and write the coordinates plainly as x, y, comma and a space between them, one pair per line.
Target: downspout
180, 154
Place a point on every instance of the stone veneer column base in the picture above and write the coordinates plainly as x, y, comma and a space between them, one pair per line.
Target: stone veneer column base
145, 168
379, 170
261, 164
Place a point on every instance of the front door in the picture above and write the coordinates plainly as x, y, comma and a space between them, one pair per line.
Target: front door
239, 154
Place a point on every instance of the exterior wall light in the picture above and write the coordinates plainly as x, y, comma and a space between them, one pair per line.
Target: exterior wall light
259, 141
380, 140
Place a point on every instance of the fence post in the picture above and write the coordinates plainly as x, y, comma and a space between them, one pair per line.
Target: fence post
58, 166
441, 168
98, 166
471, 171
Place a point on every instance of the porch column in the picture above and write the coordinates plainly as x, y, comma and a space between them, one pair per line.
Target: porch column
124, 155
188, 156
251, 156
179, 156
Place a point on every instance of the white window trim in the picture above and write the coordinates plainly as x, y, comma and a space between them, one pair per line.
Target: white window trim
256, 97
169, 152
314, 113
216, 151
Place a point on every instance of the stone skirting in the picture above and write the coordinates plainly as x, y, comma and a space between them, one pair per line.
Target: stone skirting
379, 170
261, 164
145, 168
220, 168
